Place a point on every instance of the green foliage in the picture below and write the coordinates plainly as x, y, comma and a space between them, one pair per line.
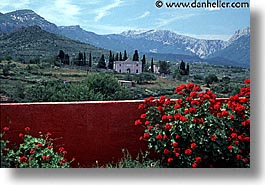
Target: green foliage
164, 67
102, 63
33, 152
144, 78
6, 69
141, 161
211, 78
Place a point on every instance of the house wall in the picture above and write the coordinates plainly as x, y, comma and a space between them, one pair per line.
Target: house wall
122, 66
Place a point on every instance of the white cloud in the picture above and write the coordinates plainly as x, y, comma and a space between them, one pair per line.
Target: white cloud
60, 12
168, 20
105, 10
213, 9
210, 36
11, 5
145, 14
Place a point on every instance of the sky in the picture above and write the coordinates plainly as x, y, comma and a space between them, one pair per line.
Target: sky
116, 16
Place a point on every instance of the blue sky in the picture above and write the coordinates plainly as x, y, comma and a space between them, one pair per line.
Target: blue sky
116, 16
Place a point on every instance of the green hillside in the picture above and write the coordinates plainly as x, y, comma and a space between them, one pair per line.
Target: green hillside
33, 42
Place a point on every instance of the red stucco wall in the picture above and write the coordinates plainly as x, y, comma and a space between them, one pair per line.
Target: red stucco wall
89, 131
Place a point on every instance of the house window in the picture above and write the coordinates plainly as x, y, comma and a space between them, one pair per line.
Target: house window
120, 64
136, 65
137, 71
120, 71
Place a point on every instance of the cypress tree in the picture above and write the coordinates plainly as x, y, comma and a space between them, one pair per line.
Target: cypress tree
117, 57
102, 63
120, 56
125, 57
90, 60
135, 56
152, 65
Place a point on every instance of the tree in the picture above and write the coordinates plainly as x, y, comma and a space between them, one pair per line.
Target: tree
152, 65
111, 61
84, 58
164, 67
120, 56
188, 69
182, 65
61, 56
80, 58
102, 63
143, 64
135, 56
117, 57
90, 60
125, 57
66, 59
211, 78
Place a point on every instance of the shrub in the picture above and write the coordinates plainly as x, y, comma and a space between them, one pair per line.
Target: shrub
197, 130
33, 152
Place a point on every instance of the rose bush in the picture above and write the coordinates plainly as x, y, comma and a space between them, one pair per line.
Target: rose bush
197, 129
33, 152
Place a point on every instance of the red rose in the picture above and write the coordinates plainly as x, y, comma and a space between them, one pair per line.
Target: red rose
213, 137
186, 111
27, 129
247, 139
168, 126
176, 150
61, 149
141, 138
234, 135
183, 119
64, 152
190, 86
159, 137
23, 159
232, 117
141, 106
238, 157
177, 154
193, 94
137, 122
198, 159
193, 145
49, 147
32, 151
247, 81
20, 135
236, 142
48, 134
160, 108
188, 151
143, 116
193, 110
177, 106
6, 129
166, 151
194, 165
246, 160
146, 135
164, 117
48, 157
150, 127
230, 147
175, 144
44, 157
170, 160
147, 122
39, 145
195, 102
177, 136
224, 113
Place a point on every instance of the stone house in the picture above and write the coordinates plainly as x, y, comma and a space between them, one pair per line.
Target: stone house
128, 66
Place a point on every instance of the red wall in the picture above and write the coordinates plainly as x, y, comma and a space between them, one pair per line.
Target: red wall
90, 131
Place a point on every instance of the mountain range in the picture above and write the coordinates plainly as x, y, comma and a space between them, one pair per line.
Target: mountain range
160, 44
